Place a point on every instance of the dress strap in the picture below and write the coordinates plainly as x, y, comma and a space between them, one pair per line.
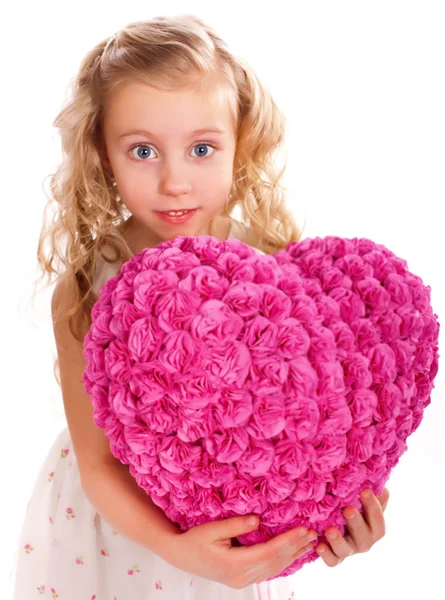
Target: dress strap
235, 229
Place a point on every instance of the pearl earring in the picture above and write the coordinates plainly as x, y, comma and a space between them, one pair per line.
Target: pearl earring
114, 184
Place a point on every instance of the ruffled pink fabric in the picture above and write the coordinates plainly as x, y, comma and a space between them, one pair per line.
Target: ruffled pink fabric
234, 383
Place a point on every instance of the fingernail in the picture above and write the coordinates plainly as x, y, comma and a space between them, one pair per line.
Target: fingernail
367, 494
303, 532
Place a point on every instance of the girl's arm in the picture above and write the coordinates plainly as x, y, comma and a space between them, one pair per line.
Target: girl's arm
125, 506
107, 483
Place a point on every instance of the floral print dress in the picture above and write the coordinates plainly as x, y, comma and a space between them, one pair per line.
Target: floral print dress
67, 551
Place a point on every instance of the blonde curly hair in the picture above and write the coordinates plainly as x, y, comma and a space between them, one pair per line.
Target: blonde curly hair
168, 53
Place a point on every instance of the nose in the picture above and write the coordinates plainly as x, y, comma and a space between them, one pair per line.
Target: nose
174, 181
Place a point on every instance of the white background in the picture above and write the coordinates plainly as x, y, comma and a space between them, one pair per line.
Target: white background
362, 87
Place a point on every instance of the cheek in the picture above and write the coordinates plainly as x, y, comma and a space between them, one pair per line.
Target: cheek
136, 202
136, 191
215, 186
213, 200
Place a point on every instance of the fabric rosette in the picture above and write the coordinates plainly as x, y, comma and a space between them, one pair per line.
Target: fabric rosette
234, 383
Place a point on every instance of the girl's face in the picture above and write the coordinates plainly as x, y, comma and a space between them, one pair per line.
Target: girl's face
160, 164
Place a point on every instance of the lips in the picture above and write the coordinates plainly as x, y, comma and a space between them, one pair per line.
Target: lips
175, 210
183, 217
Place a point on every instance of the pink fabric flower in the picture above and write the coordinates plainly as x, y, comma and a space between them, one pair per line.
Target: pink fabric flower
281, 385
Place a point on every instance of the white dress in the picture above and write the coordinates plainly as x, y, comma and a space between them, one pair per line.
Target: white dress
67, 551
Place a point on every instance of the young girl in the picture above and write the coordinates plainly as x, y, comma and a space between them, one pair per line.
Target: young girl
145, 104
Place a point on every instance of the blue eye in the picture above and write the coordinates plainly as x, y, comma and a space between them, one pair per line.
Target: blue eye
202, 146
142, 154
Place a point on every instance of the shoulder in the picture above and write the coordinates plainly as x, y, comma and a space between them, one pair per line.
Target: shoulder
62, 297
64, 302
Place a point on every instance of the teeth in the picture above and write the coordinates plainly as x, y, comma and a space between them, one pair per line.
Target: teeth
176, 213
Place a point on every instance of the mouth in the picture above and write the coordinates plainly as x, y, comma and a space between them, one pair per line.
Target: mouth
174, 211
176, 217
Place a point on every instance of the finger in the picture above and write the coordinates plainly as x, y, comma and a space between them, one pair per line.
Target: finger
359, 534
289, 542
274, 555
340, 547
383, 498
282, 562
328, 555
363, 530
374, 516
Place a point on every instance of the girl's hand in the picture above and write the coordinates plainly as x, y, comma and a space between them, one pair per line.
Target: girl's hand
207, 551
363, 532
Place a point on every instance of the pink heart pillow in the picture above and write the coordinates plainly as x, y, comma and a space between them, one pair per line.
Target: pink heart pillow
235, 383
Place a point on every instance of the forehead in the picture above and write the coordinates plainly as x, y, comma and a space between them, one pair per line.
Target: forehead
135, 105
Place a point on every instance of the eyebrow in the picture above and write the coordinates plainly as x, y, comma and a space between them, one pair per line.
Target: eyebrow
149, 133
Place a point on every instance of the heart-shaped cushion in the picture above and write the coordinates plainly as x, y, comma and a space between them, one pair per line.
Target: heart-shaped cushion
234, 383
